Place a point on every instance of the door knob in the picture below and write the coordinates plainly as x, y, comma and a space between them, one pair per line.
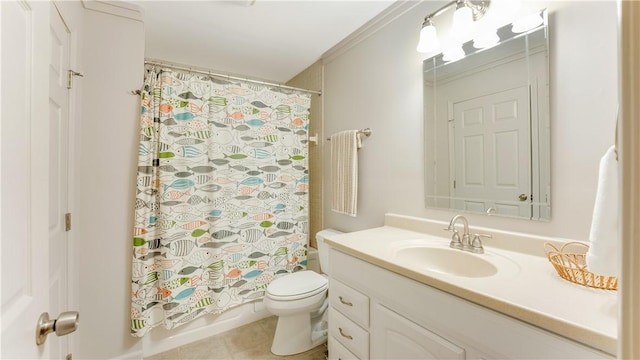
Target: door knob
522, 197
66, 323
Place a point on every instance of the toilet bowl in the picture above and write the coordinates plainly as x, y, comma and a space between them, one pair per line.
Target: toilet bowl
300, 301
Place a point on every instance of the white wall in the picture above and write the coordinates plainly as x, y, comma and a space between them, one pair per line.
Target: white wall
113, 51
378, 84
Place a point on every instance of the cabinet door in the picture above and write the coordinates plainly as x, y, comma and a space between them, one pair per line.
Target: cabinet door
395, 337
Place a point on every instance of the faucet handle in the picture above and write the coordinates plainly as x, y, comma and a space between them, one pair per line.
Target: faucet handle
476, 243
455, 243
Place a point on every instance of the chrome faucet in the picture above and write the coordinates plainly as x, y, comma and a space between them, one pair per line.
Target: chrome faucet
465, 242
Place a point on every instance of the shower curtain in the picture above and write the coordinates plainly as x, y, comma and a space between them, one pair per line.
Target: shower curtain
221, 204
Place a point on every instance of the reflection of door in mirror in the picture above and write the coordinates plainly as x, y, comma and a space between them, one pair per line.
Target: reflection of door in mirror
487, 128
491, 165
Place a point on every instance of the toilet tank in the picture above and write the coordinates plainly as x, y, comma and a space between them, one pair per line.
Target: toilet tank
323, 252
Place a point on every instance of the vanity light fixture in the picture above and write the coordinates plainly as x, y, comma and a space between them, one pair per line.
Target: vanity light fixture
527, 23
467, 12
428, 37
453, 53
462, 22
486, 38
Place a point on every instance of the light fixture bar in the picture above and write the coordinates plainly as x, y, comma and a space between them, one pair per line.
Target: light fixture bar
477, 7
441, 10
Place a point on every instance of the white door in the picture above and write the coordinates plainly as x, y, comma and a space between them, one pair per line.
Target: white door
33, 185
493, 154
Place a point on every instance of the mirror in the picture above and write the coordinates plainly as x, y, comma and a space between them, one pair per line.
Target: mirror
487, 127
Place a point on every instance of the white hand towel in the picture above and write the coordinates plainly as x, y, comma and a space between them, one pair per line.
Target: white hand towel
344, 171
603, 257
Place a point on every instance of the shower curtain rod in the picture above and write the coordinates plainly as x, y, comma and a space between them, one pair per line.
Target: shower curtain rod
223, 76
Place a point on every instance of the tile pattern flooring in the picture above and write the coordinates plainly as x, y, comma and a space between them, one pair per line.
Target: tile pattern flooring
251, 341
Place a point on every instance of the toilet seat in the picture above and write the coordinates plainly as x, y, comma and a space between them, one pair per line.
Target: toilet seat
298, 285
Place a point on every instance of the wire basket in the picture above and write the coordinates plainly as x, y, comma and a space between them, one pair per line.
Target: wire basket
570, 263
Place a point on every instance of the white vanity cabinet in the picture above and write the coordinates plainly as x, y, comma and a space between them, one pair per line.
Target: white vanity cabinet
376, 313
396, 337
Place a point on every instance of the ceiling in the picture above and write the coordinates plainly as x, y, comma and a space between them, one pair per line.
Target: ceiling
262, 39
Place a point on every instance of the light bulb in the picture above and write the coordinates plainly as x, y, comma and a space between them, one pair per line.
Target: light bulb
486, 33
527, 23
462, 23
486, 39
428, 39
453, 53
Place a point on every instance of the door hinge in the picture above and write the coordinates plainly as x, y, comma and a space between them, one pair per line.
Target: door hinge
454, 184
67, 222
70, 75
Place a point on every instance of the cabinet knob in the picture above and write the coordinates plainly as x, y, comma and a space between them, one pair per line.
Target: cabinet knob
345, 301
345, 335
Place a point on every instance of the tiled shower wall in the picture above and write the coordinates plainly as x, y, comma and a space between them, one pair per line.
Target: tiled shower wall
311, 78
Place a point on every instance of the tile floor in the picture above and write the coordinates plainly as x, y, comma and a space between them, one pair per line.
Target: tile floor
251, 341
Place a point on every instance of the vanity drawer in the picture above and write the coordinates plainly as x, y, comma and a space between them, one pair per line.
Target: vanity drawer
349, 334
350, 302
337, 351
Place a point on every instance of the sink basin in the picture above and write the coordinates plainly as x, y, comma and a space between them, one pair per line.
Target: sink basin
433, 255
447, 261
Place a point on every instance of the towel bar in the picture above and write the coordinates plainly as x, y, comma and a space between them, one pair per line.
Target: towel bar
366, 132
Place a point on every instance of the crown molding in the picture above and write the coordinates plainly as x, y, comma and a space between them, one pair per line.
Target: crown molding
116, 8
390, 14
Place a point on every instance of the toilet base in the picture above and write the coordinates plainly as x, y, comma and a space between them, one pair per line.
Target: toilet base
301, 318
297, 333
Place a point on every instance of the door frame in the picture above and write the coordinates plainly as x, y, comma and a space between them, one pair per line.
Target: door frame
629, 157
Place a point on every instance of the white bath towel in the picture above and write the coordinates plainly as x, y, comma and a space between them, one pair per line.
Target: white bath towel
603, 257
344, 171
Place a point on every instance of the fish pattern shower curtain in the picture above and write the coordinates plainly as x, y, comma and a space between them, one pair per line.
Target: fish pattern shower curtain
221, 204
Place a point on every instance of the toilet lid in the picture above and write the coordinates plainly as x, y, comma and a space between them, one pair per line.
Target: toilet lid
297, 285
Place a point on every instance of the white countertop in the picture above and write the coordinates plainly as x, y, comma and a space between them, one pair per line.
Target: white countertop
532, 291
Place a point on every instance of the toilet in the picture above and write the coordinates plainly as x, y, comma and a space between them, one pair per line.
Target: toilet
300, 301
